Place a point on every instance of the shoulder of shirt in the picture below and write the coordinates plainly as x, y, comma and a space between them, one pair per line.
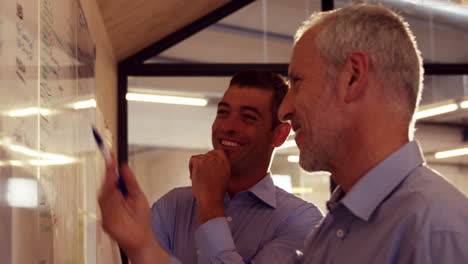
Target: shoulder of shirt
292, 202
184, 191
176, 195
282, 194
426, 195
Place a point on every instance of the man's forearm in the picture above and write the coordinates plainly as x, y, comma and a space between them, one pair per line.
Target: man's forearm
150, 253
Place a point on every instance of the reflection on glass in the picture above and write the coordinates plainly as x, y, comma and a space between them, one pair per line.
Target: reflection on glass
15, 163
32, 111
22, 193
43, 158
90, 103
29, 111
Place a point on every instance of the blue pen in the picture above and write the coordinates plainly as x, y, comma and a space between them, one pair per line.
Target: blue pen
108, 159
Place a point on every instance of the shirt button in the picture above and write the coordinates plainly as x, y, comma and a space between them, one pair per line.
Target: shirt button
198, 252
340, 233
229, 219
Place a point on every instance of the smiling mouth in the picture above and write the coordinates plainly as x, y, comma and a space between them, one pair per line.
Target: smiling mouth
297, 130
229, 143
297, 135
295, 127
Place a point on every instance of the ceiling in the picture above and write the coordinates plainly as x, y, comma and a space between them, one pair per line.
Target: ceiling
134, 25
262, 32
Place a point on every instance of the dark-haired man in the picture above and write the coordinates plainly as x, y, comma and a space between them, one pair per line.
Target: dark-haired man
232, 213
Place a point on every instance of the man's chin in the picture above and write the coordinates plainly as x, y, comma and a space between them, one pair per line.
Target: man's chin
310, 165
305, 166
233, 158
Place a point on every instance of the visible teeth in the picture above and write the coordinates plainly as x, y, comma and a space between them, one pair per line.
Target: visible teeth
230, 143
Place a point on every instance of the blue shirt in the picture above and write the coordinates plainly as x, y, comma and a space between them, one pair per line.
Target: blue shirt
264, 224
399, 212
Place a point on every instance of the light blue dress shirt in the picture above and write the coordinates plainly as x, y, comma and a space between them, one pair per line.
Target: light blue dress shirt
399, 212
264, 224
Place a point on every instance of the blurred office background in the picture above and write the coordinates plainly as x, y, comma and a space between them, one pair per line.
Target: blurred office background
162, 137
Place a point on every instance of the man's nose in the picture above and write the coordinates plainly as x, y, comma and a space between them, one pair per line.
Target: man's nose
285, 110
232, 124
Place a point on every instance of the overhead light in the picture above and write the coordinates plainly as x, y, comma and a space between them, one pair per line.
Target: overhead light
293, 158
166, 99
287, 144
22, 192
28, 111
464, 104
302, 190
436, 111
90, 103
451, 153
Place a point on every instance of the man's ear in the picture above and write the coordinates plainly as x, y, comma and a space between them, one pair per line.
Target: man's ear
357, 74
280, 134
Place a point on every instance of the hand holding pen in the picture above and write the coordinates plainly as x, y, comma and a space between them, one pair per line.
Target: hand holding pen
107, 157
127, 218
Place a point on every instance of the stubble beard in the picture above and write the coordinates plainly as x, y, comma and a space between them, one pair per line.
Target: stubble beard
319, 156
313, 161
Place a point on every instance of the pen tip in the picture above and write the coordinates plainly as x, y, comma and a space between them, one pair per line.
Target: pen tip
96, 136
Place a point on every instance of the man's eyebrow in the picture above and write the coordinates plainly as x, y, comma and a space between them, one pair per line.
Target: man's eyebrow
251, 108
223, 104
292, 76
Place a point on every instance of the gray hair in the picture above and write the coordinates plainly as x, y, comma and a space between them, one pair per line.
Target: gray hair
384, 36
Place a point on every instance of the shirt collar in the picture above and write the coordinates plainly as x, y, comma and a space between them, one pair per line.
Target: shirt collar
265, 190
366, 195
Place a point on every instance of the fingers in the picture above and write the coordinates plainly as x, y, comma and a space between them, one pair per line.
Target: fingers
220, 156
130, 180
218, 153
108, 198
205, 159
113, 158
108, 193
110, 179
195, 162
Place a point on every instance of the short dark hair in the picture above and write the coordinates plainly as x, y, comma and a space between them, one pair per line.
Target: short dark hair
265, 80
